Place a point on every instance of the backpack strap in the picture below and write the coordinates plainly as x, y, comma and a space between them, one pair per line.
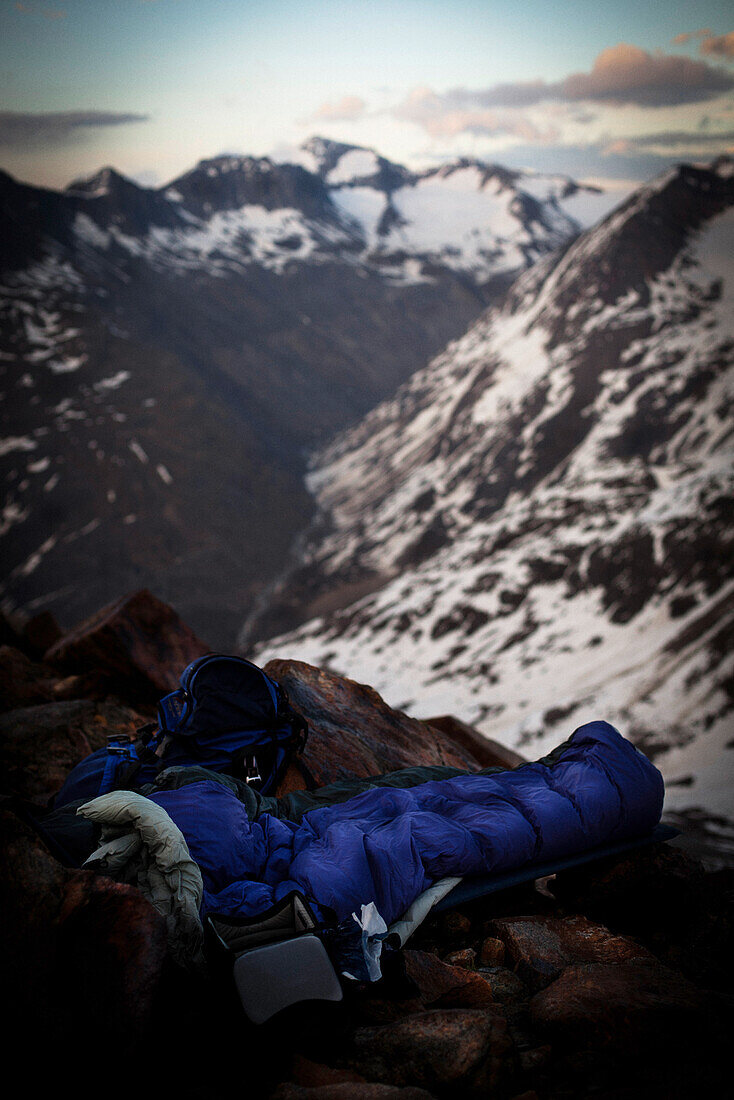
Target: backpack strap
126, 757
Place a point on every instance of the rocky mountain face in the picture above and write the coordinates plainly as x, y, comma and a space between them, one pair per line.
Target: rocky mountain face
609, 979
536, 530
168, 357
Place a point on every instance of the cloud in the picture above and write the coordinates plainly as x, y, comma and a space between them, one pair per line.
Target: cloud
714, 142
348, 109
719, 45
446, 115
621, 75
625, 74
19, 129
687, 36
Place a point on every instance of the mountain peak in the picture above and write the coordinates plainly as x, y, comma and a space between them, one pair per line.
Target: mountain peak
340, 164
104, 182
639, 239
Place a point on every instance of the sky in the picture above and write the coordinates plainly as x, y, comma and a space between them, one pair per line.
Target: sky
598, 90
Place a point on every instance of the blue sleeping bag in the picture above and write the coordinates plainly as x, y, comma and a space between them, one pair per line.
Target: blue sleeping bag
387, 845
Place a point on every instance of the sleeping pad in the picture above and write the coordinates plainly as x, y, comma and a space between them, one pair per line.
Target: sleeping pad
390, 841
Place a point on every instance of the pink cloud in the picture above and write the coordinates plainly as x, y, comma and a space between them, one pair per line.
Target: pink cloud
687, 36
625, 74
349, 108
621, 75
719, 45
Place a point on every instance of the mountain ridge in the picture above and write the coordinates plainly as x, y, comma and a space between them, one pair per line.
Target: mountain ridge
170, 355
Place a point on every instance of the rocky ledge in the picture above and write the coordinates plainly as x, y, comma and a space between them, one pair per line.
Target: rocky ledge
606, 981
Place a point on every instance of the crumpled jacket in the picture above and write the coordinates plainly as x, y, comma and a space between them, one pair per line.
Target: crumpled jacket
141, 845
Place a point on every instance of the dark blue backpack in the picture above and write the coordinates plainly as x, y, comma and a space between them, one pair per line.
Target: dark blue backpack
228, 715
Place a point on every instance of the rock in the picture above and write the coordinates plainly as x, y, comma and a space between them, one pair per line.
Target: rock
440, 1049
96, 684
349, 1091
82, 955
443, 985
533, 1060
40, 745
543, 947
11, 630
491, 952
465, 958
312, 1075
41, 632
666, 899
139, 639
454, 925
111, 945
22, 680
353, 732
488, 753
507, 987
633, 1017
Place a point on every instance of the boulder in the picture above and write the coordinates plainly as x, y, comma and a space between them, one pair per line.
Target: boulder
41, 632
465, 958
667, 900
491, 952
82, 955
454, 925
353, 732
635, 1020
139, 640
543, 947
349, 1090
40, 745
11, 630
488, 753
441, 1049
442, 985
507, 987
312, 1075
23, 681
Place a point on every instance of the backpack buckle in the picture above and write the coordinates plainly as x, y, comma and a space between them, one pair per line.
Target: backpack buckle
119, 743
252, 772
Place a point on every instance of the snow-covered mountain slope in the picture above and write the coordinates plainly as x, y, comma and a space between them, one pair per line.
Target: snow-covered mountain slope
231, 212
477, 218
168, 357
537, 529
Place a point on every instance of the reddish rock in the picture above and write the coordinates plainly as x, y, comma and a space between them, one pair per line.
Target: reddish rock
465, 959
543, 947
40, 745
488, 753
139, 639
507, 987
311, 1075
440, 1050
23, 681
95, 684
11, 630
349, 1091
41, 632
81, 955
454, 925
628, 1011
491, 952
666, 899
111, 948
442, 985
353, 732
